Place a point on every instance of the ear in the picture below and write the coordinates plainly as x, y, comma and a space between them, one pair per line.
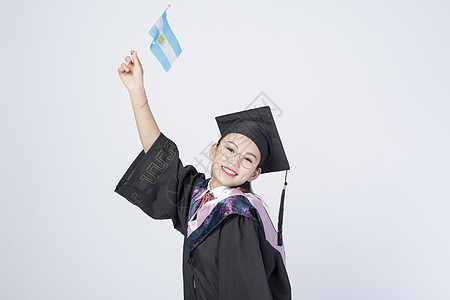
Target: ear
212, 151
254, 175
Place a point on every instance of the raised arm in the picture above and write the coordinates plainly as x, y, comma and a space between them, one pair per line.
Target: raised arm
131, 75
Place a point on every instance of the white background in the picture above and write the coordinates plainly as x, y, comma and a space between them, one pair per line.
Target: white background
364, 91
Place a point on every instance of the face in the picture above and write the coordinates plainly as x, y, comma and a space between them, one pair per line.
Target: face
229, 171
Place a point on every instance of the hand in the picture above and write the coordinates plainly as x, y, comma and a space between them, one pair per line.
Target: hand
131, 73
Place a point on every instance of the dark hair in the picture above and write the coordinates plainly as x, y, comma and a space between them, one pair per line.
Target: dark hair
246, 187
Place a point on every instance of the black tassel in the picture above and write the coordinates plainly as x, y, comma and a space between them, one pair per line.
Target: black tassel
281, 213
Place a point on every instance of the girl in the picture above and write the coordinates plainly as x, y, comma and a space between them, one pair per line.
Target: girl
230, 248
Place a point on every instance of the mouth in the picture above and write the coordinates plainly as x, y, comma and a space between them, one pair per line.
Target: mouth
228, 171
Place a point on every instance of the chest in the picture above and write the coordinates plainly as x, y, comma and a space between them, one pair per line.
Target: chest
201, 267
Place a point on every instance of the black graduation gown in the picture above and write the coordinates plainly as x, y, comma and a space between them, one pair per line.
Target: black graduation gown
234, 261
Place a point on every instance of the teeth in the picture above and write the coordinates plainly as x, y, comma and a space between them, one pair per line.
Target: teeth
228, 171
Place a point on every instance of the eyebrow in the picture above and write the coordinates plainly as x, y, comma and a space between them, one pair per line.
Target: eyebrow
238, 148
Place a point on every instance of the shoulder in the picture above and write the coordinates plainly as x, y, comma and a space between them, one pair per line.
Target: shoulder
237, 205
241, 223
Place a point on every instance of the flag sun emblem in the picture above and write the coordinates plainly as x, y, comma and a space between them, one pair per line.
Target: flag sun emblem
161, 39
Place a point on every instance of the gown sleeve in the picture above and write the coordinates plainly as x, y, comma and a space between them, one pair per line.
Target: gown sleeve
159, 184
249, 267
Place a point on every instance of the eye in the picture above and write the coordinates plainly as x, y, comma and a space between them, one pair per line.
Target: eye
248, 159
230, 149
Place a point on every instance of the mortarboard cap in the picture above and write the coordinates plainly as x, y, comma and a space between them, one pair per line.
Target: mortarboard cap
258, 125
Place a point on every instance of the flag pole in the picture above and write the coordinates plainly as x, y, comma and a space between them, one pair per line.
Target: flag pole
143, 38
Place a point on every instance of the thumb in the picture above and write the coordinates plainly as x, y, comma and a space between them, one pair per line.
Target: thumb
135, 57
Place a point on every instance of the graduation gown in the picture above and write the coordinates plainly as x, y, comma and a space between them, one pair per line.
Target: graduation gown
230, 260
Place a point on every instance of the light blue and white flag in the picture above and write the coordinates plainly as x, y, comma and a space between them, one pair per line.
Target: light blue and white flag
165, 45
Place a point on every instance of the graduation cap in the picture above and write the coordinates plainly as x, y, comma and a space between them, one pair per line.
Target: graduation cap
258, 125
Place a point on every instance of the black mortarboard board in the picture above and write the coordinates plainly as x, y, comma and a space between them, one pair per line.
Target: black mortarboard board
258, 125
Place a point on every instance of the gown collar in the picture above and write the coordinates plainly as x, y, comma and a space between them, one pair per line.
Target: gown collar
218, 191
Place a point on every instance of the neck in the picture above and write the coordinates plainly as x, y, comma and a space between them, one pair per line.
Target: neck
213, 183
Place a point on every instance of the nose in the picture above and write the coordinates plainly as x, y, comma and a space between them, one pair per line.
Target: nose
235, 160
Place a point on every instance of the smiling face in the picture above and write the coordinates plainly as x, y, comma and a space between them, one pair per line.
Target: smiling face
229, 171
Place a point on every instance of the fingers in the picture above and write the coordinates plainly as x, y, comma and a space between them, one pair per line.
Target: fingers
124, 67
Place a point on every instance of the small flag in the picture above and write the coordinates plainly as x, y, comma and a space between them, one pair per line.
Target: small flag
165, 45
